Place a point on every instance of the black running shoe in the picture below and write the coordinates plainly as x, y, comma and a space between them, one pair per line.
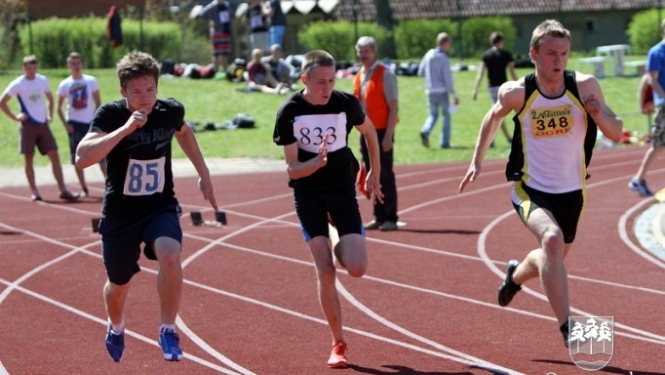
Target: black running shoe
508, 289
565, 331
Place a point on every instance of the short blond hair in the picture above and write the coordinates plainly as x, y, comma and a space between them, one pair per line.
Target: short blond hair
442, 38
30, 59
551, 28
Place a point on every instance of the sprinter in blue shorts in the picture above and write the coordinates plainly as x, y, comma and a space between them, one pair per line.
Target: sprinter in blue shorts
313, 126
134, 135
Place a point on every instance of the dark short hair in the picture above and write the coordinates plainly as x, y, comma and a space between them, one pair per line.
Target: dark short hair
496, 38
316, 58
74, 56
137, 64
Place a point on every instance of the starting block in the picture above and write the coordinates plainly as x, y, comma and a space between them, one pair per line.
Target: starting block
197, 219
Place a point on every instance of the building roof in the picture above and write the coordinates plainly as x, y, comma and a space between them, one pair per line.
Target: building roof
415, 9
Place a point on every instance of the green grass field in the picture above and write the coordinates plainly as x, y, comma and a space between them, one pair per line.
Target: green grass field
218, 101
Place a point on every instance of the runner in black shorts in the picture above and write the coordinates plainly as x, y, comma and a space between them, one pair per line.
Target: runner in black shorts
566, 207
135, 135
558, 113
313, 126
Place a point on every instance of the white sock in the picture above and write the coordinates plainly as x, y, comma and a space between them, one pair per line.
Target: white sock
166, 327
118, 329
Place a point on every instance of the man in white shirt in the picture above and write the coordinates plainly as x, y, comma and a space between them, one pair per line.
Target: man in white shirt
32, 91
81, 91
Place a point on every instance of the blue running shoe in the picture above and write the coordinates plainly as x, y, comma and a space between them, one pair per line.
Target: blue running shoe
640, 187
115, 344
170, 343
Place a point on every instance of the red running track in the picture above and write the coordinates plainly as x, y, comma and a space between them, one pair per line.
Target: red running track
427, 304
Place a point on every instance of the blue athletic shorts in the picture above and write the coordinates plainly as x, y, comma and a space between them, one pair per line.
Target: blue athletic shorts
313, 208
566, 207
121, 240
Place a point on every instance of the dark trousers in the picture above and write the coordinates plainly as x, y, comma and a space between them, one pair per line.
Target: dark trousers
386, 211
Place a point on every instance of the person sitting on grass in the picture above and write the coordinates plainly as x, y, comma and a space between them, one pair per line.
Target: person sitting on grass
260, 78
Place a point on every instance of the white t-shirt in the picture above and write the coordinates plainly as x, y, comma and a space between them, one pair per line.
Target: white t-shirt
31, 96
80, 103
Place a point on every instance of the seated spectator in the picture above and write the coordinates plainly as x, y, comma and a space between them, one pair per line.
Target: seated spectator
260, 77
280, 69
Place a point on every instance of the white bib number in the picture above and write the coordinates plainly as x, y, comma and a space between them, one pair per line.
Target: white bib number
256, 21
224, 17
145, 177
310, 131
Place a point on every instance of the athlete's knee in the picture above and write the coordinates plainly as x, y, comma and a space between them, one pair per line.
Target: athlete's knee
356, 270
552, 242
327, 276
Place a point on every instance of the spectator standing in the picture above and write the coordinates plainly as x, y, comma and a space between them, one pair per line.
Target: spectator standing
495, 60
435, 67
656, 76
256, 17
81, 91
375, 86
33, 92
277, 23
218, 14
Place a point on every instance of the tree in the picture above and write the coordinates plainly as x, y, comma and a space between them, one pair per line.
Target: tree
384, 17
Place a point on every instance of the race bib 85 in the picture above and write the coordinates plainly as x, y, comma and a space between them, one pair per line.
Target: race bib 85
144, 177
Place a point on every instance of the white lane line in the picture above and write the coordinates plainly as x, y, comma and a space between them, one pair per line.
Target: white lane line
103, 322
623, 233
490, 265
465, 357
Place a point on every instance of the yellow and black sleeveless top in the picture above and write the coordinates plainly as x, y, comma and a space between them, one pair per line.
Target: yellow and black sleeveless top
553, 139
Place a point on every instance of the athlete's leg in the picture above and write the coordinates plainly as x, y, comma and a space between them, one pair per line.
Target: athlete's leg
353, 251
169, 277
115, 297
326, 276
547, 262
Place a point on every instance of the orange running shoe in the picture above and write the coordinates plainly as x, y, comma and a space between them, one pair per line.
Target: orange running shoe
338, 355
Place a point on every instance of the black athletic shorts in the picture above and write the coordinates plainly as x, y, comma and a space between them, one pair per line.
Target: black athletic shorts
566, 207
121, 240
313, 208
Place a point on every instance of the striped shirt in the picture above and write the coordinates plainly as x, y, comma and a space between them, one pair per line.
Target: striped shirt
435, 66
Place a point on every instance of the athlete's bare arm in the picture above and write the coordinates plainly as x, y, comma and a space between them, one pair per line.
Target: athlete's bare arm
594, 102
510, 98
